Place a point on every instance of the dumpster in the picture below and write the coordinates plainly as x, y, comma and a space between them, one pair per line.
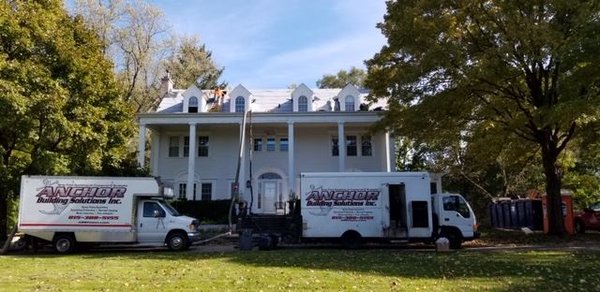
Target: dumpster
566, 210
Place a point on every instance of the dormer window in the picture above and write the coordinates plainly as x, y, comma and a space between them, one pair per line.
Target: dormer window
302, 104
240, 104
349, 103
193, 105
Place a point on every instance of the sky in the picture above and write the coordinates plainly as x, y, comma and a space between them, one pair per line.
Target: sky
276, 43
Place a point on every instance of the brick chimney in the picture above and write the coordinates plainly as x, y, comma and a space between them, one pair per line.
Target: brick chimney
166, 85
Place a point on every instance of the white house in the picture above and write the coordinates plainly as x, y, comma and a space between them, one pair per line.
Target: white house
288, 131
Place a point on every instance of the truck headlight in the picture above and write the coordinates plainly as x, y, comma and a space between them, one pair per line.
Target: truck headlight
193, 226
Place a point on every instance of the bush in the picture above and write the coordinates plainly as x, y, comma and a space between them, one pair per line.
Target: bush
208, 212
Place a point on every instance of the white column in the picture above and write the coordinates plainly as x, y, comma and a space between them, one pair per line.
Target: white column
388, 162
155, 152
291, 162
341, 147
192, 153
142, 146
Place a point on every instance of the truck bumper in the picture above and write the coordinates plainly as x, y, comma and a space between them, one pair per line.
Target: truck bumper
193, 236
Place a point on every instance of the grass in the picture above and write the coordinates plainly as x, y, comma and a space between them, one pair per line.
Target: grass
304, 269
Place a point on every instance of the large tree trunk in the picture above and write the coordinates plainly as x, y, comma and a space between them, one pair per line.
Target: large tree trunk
553, 184
3, 218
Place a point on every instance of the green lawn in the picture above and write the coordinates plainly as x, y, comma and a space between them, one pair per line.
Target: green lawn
304, 269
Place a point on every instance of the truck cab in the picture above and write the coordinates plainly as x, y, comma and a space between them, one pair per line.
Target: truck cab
453, 218
159, 223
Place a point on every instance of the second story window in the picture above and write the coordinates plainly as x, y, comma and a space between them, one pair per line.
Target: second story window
366, 147
270, 144
193, 105
283, 144
186, 146
174, 146
258, 144
240, 104
349, 103
351, 145
335, 150
302, 104
203, 146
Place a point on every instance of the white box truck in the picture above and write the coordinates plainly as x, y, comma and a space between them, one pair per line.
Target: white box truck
68, 210
355, 207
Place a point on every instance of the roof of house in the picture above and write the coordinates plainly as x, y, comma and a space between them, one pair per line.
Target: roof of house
264, 100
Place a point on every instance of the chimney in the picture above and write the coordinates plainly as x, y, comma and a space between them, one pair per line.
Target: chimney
166, 84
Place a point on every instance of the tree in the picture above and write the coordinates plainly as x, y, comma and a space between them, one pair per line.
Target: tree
191, 63
473, 72
60, 106
354, 76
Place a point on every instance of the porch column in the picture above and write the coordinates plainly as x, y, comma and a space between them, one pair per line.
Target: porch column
155, 152
142, 146
388, 156
189, 193
291, 162
341, 147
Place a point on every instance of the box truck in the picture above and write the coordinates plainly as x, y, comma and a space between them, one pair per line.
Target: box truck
356, 207
70, 210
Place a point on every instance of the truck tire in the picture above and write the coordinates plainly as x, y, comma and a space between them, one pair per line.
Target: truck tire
178, 241
579, 227
64, 243
453, 237
351, 239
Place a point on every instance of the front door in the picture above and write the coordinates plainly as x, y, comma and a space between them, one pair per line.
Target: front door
269, 195
151, 225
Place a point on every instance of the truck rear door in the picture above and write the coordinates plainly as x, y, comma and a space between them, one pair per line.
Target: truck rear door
151, 225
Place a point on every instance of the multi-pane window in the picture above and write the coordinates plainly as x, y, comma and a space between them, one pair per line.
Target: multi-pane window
335, 150
206, 191
173, 146
349, 103
351, 145
240, 104
193, 105
366, 147
203, 146
258, 144
270, 144
186, 146
302, 104
182, 191
283, 144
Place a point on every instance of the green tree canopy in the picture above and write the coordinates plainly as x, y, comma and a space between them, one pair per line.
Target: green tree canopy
354, 76
483, 77
191, 63
59, 102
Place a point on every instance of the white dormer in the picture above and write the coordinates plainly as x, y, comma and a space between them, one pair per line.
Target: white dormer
302, 98
193, 100
239, 99
349, 99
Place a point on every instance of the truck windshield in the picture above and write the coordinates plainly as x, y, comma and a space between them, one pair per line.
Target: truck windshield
170, 208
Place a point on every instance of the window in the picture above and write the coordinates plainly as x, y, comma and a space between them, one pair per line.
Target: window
366, 148
182, 191
456, 203
258, 144
203, 146
302, 104
335, 150
206, 191
349, 103
240, 104
283, 144
351, 145
186, 146
270, 144
193, 105
150, 208
173, 146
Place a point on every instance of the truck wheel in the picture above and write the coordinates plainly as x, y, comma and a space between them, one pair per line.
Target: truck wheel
579, 227
351, 239
64, 243
178, 241
453, 237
